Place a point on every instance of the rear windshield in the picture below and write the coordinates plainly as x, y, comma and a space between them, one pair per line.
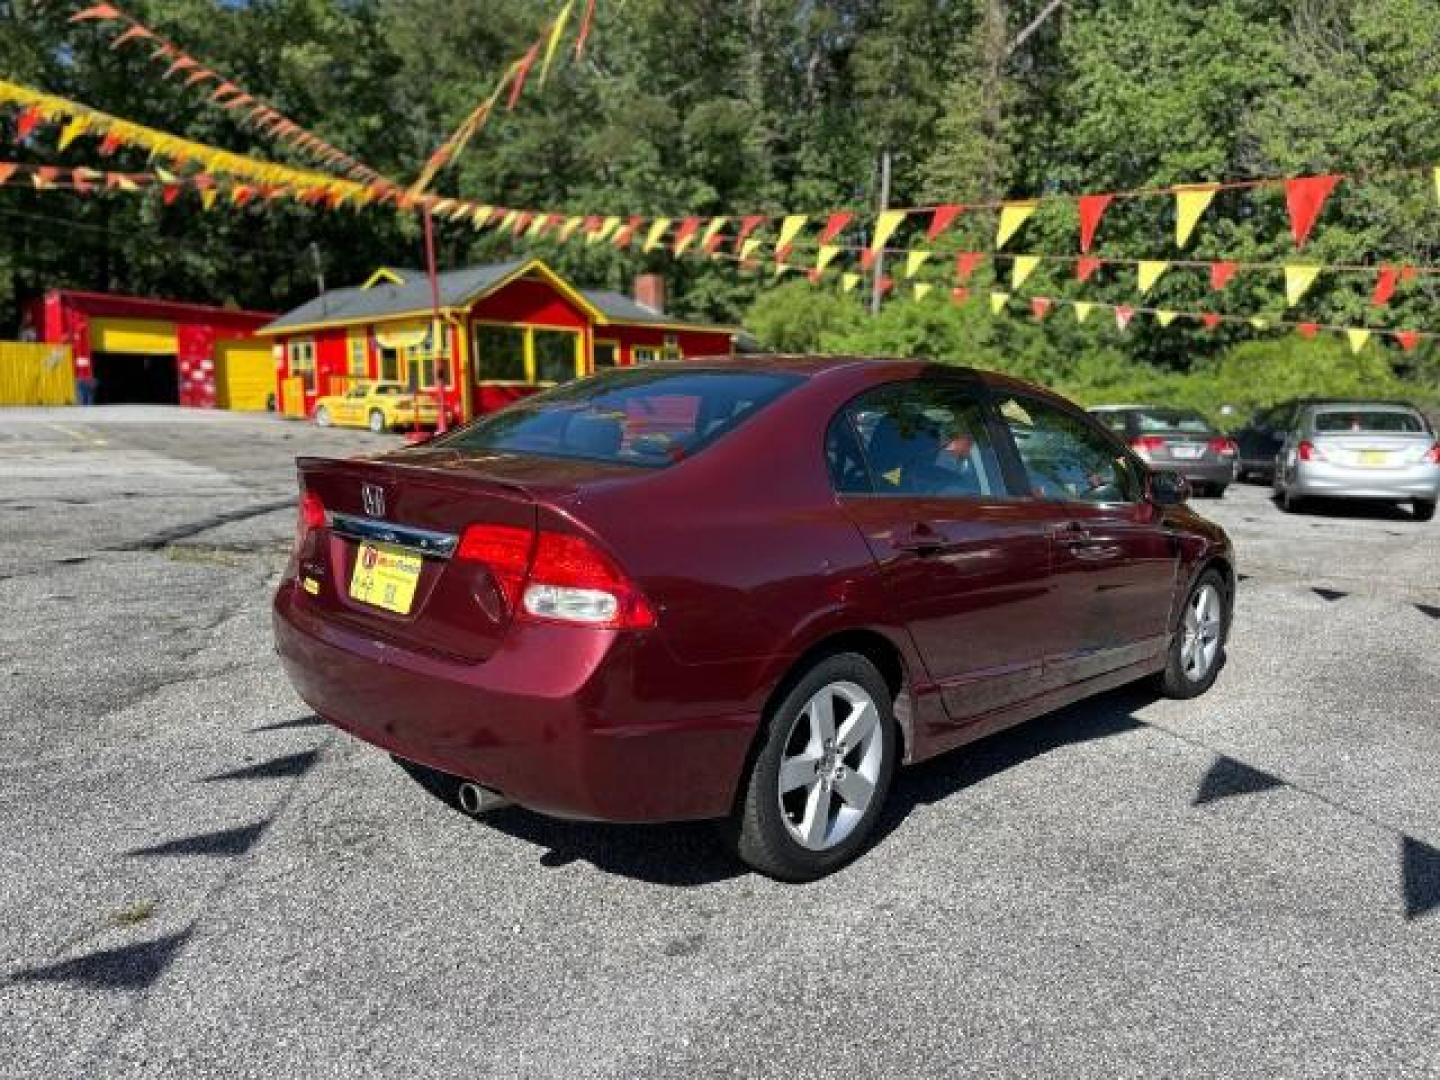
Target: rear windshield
634, 416
1391, 420
1171, 420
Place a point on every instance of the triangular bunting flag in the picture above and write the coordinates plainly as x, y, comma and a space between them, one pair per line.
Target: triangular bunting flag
7, 170
1210, 319
780, 268
825, 256
944, 216
998, 300
1190, 203
207, 198
749, 247
556, 31
657, 230
1298, 280
966, 262
1221, 273
1164, 317
913, 261
959, 294
1082, 310
1304, 197
1123, 315
790, 229
1385, 284
685, 234
101, 12
1012, 216
606, 229
1092, 209
72, 131
28, 121
1040, 306
1085, 267
568, 229
885, 226
1408, 339
884, 284
1148, 272
922, 289
835, 226
44, 177
867, 258
1259, 323
848, 281
1357, 339
1021, 269
710, 238
747, 226
1307, 329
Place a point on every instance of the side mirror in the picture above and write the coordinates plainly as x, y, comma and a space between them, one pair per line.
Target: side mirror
1168, 489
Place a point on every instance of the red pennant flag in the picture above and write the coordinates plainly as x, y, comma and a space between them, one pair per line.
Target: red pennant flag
521, 73
944, 215
1408, 339
1210, 319
1123, 315
867, 259
626, 233
885, 284
747, 226
6, 171
109, 144
1385, 285
1085, 267
1408, 274
180, 63
1308, 329
1040, 306
27, 122
959, 294
198, 76
169, 193
1304, 196
813, 276
586, 21
100, 12
240, 194
81, 182
834, 226
522, 222
782, 254
966, 263
688, 228
1092, 209
1221, 273
130, 35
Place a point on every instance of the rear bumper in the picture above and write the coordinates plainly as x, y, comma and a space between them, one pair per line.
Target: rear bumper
559, 719
1322, 480
1202, 472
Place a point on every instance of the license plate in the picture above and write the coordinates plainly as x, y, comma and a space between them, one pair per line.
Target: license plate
1374, 457
385, 577
1187, 453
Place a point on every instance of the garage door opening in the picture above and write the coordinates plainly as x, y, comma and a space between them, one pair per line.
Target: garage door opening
129, 378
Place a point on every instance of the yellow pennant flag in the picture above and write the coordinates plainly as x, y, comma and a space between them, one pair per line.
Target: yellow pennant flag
780, 268
444, 206
1259, 323
166, 175
749, 247
922, 289
998, 300
1190, 203
537, 226
1298, 280
657, 230
73, 130
554, 43
608, 226
507, 221
567, 230
481, 216
885, 226
1083, 309
789, 229
1165, 318
1022, 268
1149, 272
711, 231
913, 261
1358, 338
124, 183
825, 256
848, 281
207, 197
1012, 216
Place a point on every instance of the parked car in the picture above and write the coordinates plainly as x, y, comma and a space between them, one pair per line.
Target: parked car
1383, 451
745, 589
380, 406
1175, 440
1260, 440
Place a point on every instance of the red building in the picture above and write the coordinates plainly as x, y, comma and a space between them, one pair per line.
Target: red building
165, 351
505, 330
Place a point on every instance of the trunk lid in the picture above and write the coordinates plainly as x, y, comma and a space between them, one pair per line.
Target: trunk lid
1373, 449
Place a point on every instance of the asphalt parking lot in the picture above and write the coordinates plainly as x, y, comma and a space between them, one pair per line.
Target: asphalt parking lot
200, 879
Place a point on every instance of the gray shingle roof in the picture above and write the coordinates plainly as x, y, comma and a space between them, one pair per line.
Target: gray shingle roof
457, 287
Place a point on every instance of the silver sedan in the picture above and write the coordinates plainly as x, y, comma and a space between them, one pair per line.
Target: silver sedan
1384, 451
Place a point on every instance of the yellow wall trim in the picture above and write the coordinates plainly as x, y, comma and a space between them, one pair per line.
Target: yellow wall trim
148, 337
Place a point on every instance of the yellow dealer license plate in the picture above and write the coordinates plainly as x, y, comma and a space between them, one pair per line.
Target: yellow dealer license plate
385, 577
1374, 457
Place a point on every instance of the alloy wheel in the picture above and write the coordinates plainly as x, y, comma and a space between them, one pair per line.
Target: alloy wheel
1200, 638
830, 766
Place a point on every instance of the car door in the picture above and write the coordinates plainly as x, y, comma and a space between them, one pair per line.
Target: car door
1113, 564
965, 566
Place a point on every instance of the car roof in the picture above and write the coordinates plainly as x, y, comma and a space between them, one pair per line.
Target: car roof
1360, 403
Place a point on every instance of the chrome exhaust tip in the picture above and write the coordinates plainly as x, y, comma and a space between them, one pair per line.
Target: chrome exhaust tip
477, 800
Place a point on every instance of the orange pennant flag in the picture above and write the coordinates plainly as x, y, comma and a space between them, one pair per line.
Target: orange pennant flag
98, 13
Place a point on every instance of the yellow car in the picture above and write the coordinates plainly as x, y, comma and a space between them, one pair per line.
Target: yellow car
380, 406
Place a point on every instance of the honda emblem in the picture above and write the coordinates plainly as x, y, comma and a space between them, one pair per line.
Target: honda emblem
372, 497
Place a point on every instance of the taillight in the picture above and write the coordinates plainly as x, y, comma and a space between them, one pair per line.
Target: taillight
1432, 456
1147, 444
311, 516
1224, 447
1308, 451
556, 577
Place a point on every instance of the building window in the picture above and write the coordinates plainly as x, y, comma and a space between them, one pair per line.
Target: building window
557, 354
500, 353
607, 354
302, 361
358, 359
672, 348
645, 354
389, 364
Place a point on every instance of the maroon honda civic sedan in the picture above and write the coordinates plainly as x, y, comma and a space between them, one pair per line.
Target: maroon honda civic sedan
744, 589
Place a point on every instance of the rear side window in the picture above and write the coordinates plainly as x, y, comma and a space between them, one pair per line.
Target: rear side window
1186, 420
627, 416
919, 438
1394, 421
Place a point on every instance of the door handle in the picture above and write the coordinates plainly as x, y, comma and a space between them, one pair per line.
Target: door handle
921, 540
1071, 534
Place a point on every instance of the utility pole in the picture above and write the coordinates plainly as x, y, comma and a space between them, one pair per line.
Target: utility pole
875, 290
319, 276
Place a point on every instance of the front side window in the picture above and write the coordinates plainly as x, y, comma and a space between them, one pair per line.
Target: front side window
1064, 457
919, 438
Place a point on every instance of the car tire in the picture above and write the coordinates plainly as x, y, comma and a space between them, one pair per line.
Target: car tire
1219, 490
1197, 648
1289, 502
825, 817
322, 416
377, 421
1424, 509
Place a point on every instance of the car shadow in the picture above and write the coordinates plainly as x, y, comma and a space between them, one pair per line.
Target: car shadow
1353, 510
